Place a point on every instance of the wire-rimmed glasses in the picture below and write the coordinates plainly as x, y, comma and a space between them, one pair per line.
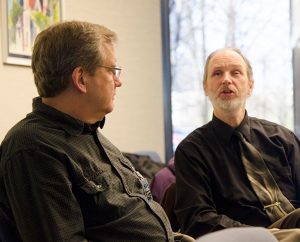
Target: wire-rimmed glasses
115, 70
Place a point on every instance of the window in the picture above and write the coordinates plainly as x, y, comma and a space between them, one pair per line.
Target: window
260, 28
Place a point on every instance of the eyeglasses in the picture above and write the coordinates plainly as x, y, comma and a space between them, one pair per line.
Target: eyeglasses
115, 70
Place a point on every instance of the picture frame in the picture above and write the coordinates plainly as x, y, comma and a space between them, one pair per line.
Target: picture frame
21, 21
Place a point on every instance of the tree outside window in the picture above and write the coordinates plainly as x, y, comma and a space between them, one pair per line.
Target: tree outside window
260, 28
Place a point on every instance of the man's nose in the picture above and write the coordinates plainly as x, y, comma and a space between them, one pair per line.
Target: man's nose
118, 82
226, 78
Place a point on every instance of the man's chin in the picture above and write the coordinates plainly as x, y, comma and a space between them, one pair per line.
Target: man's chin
109, 110
228, 106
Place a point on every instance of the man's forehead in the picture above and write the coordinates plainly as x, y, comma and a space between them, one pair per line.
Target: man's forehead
110, 52
227, 58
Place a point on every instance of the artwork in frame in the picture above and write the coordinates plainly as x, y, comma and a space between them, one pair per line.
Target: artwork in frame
22, 20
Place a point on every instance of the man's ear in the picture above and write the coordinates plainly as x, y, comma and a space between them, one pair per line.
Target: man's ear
204, 88
78, 80
251, 86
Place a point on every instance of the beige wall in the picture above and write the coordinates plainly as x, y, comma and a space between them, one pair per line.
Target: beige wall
137, 121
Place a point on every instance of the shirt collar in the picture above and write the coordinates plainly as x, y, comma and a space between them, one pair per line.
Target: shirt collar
225, 131
71, 125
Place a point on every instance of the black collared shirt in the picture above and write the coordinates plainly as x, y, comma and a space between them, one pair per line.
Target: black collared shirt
213, 191
61, 180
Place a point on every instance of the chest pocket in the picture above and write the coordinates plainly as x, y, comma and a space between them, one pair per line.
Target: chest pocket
90, 187
96, 183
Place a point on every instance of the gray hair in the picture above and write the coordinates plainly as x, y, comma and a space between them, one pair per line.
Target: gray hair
247, 62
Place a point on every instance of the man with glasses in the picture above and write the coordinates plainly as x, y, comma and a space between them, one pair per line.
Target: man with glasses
60, 178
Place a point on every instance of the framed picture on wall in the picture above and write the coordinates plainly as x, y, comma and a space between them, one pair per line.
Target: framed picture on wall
21, 21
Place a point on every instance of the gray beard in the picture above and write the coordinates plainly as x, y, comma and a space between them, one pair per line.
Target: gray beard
227, 106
